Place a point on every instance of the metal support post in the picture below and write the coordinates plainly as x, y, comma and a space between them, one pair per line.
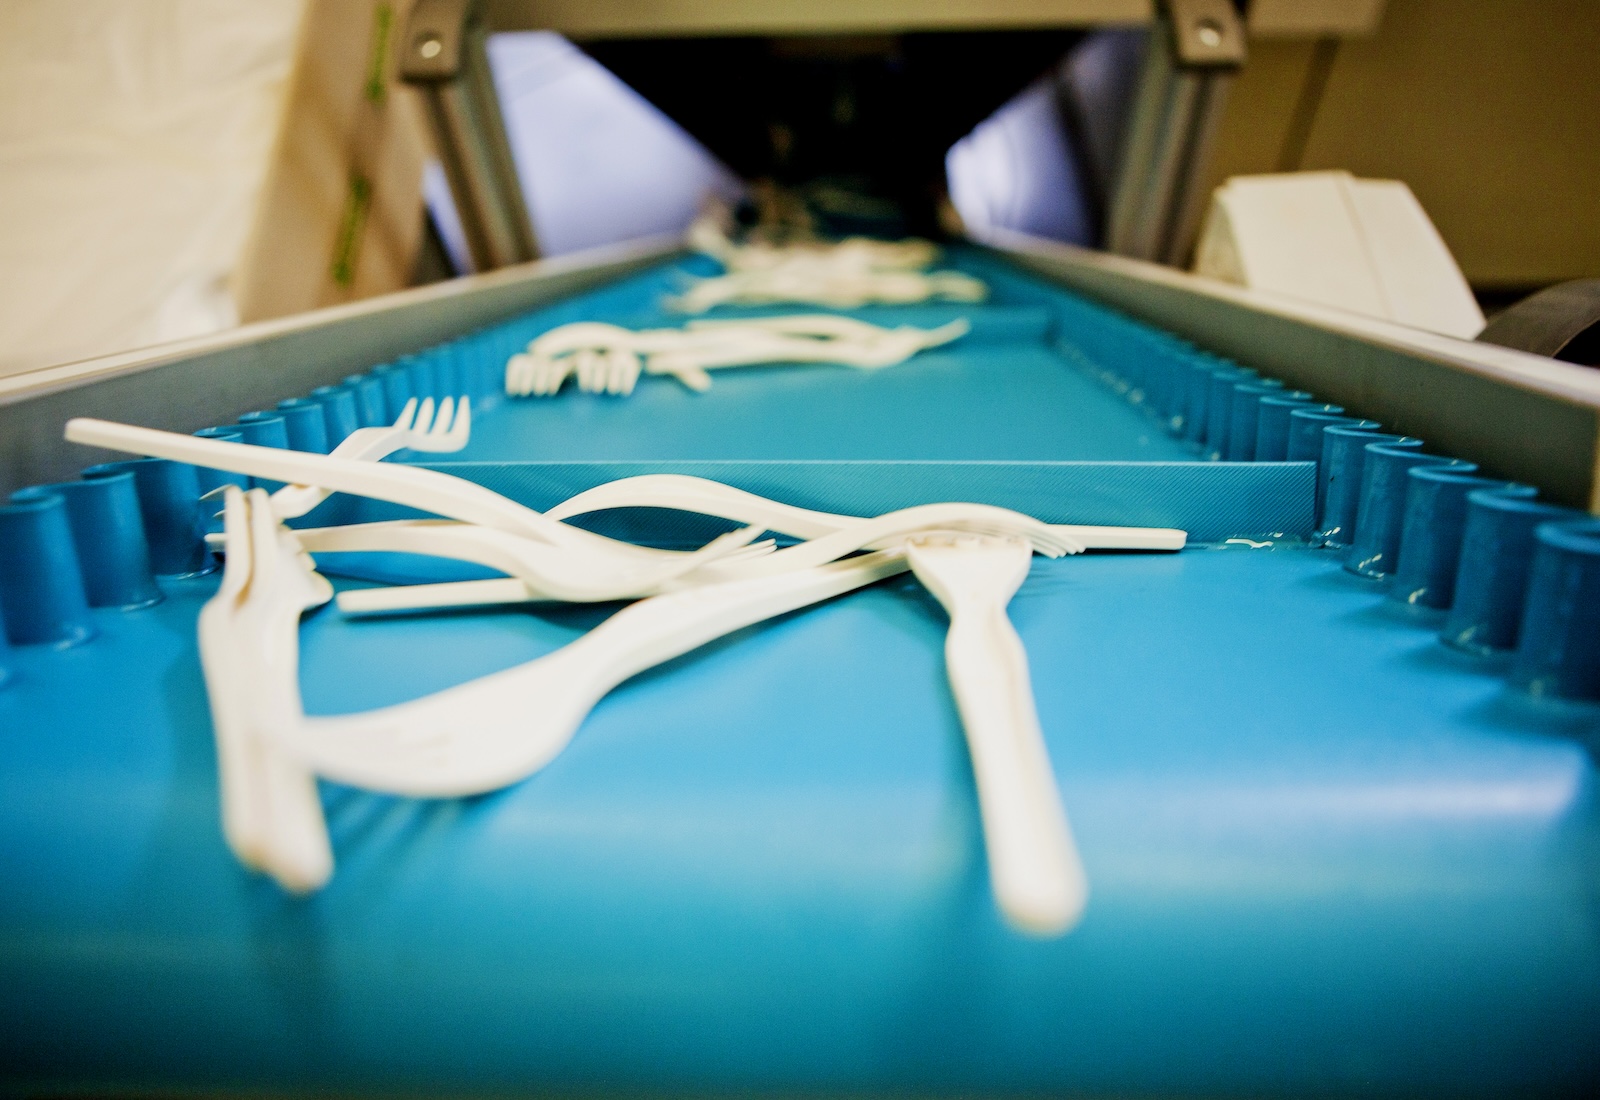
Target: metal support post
1195, 47
445, 55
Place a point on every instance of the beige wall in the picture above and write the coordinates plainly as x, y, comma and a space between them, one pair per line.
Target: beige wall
1489, 109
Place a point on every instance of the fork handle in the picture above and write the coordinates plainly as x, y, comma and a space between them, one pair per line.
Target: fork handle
1034, 866
363, 445
651, 631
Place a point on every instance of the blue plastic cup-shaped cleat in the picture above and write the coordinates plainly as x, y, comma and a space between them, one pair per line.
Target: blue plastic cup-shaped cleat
482, 376
1496, 558
211, 480
108, 535
5, 651
1272, 423
464, 356
1431, 536
305, 425
424, 378
1219, 407
1244, 434
1197, 400
41, 582
1180, 370
446, 378
488, 354
1196, 382
1381, 512
1161, 380
370, 408
493, 365
173, 513
1245, 410
457, 375
264, 429
1305, 438
1344, 455
1558, 651
340, 416
396, 382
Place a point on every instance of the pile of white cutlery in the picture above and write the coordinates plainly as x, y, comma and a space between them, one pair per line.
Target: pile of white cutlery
844, 275
706, 235
609, 359
484, 735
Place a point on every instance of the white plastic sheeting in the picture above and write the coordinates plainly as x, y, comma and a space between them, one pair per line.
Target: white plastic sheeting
134, 138
1366, 246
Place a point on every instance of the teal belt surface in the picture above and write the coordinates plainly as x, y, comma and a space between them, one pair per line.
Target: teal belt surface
1326, 854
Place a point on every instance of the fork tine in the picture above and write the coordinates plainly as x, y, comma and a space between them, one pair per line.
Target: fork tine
407, 415
462, 425
441, 422
424, 415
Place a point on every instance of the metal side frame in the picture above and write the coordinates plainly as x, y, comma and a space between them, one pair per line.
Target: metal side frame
1519, 416
210, 380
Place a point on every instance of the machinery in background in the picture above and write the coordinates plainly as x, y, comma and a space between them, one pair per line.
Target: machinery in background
858, 115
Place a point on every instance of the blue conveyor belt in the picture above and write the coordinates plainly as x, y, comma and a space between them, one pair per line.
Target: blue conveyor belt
1327, 854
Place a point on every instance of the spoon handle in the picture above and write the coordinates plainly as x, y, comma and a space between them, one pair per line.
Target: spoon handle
496, 730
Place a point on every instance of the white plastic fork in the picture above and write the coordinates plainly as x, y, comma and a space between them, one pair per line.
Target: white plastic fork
713, 498
841, 328
892, 527
427, 490
878, 532
494, 731
803, 280
249, 651
548, 573
1034, 867
246, 817
552, 357
608, 359
416, 428
612, 370
757, 345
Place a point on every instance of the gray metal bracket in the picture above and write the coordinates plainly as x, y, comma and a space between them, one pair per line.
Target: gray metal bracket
1195, 47
444, 54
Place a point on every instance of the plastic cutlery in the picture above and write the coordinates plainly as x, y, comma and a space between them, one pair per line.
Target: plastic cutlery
546, 572
1034, 866
416, 429
877, 532
713, 498
892, 527
426, 490
497, 730
249, 650
608, 359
